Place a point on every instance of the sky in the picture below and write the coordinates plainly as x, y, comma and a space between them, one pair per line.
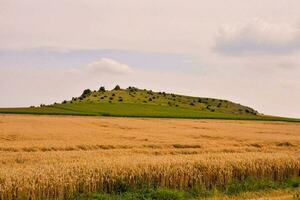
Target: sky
246, 51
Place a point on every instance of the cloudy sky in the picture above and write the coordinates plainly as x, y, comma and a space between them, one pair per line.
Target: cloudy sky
247, 51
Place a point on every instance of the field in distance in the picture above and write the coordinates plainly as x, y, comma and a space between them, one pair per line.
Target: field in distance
57, 157
134, 102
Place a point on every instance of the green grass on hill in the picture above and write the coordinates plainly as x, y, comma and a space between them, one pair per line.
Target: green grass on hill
148, 97
134, 102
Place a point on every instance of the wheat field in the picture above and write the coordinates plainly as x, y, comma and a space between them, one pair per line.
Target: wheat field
55, 157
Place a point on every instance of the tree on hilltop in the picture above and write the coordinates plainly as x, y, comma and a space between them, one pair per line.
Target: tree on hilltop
102, 89
86, 93
117, 87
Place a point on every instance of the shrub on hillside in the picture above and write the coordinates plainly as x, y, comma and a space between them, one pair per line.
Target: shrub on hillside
86, 93
102, 89
132, 89
150, 92
117, 87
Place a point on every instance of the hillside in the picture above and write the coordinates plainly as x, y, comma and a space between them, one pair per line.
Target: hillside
148, 97
134, 102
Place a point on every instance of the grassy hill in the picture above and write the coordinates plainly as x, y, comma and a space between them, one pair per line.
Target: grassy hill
134, 102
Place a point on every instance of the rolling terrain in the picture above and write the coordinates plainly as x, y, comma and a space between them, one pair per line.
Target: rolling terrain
150, 156
134, 102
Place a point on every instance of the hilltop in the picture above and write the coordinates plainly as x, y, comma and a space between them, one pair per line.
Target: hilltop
135, 102
134, 95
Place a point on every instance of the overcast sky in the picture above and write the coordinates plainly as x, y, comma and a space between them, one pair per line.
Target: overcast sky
247, 51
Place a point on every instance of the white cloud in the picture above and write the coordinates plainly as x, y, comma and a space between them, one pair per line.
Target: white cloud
108, 66
258, 37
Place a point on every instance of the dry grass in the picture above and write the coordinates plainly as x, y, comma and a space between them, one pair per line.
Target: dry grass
57, 156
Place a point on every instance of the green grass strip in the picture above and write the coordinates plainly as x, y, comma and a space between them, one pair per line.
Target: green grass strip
233, 189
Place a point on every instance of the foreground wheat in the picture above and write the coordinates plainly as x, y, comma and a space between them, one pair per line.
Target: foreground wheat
58, 157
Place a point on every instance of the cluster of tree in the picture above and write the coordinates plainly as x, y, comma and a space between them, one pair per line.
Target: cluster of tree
132, 89
117, 87
101, 89
86, 93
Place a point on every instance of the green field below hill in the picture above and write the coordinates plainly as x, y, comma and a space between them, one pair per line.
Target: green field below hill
134, 110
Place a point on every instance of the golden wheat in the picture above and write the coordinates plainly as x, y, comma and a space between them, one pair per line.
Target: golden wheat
44, 157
